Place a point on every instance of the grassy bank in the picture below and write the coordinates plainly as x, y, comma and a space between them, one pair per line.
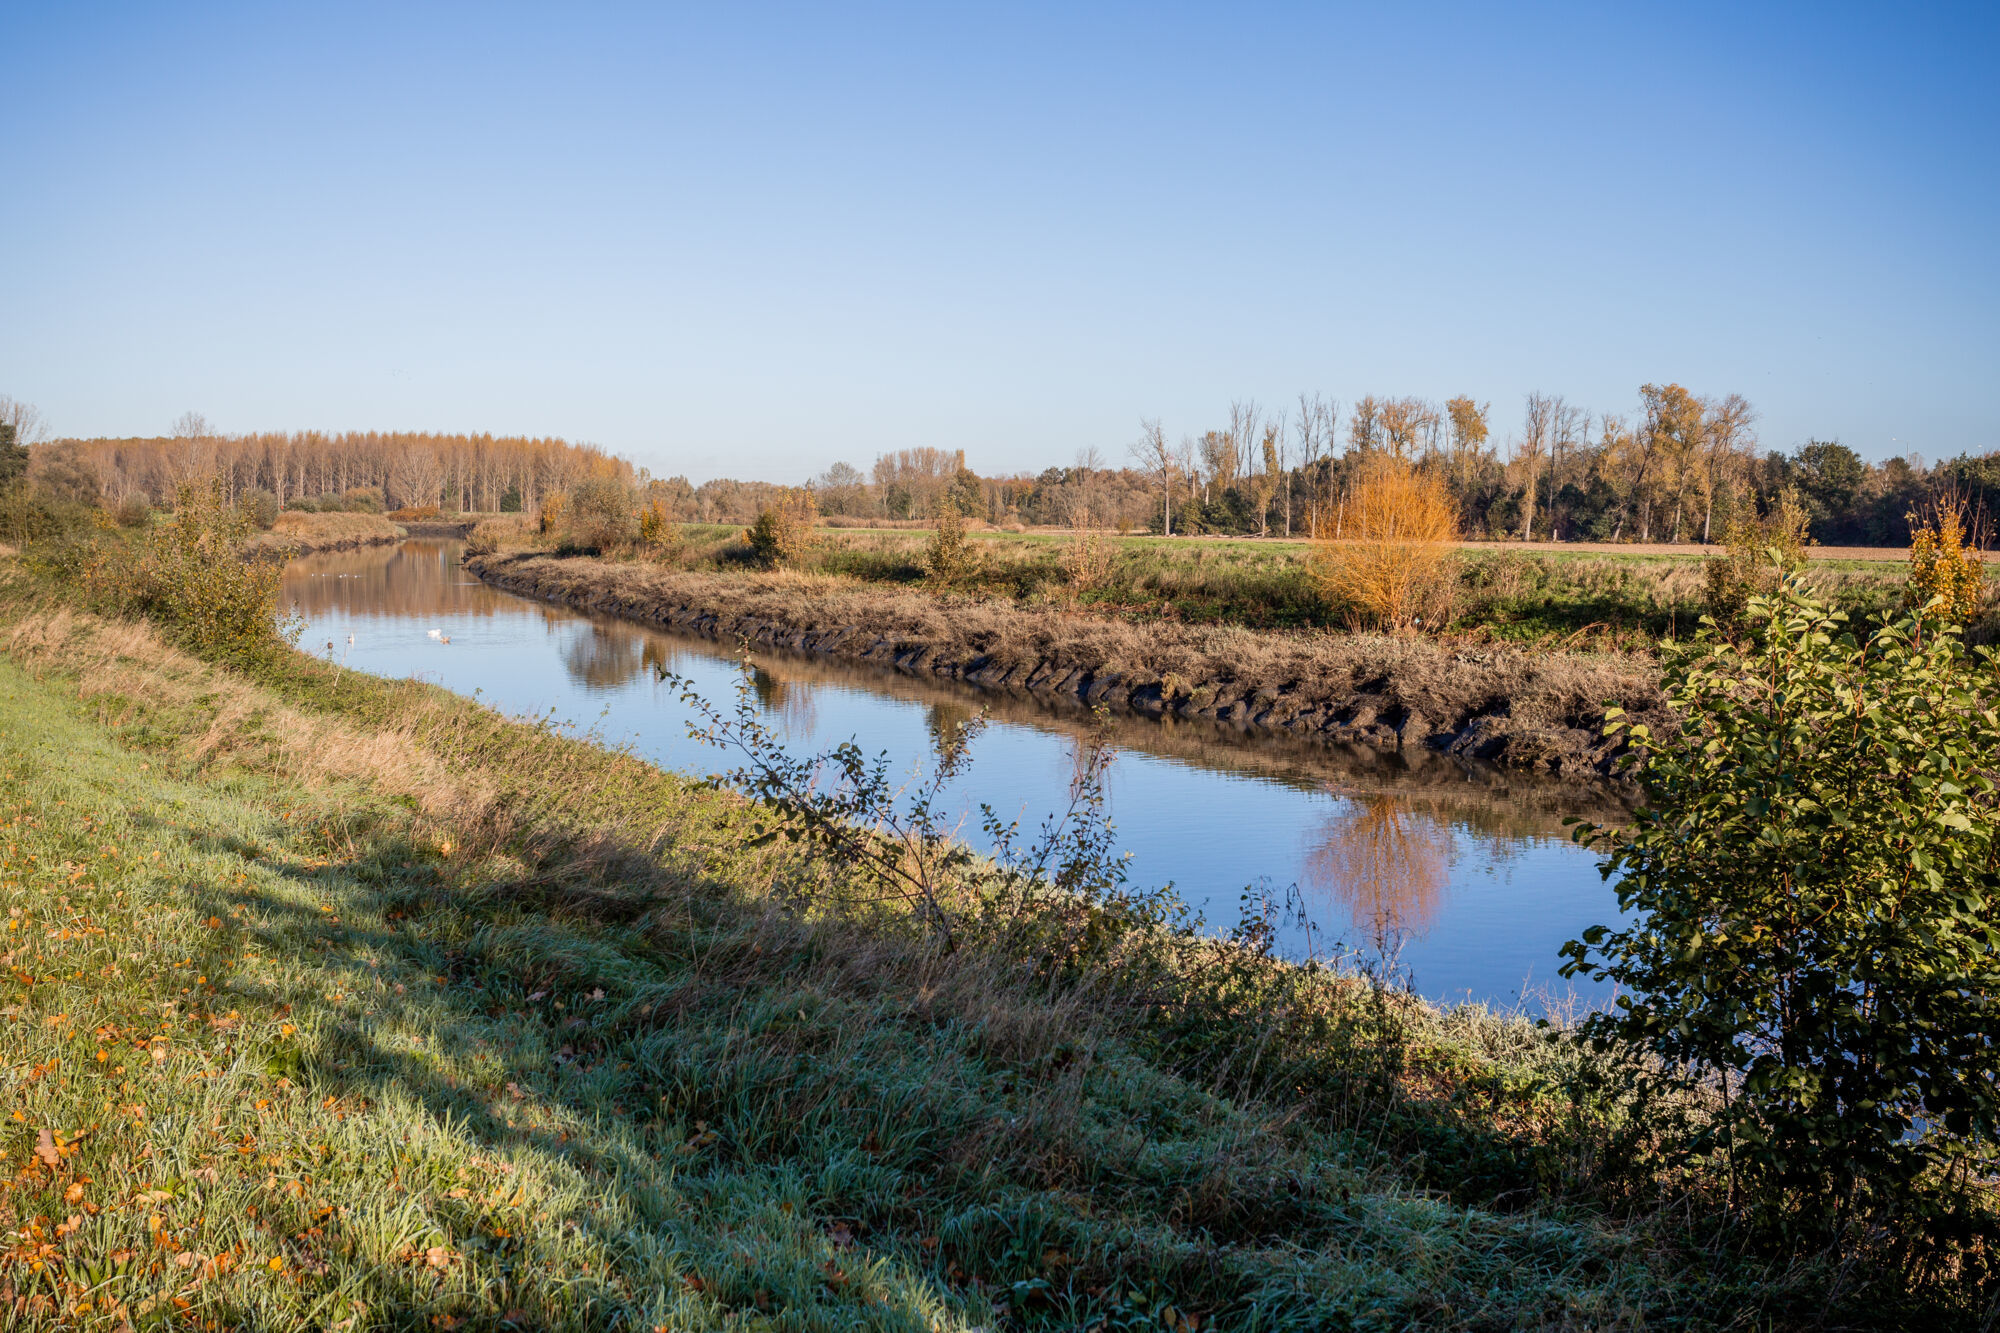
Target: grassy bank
1493, 702
303, 533
344, 1003
1597, 599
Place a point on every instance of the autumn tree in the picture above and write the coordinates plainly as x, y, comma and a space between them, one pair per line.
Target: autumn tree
1409, 427
1364, 425
1468, 426
1396, 566
1264, 482
1157, 461
1537, 435
1671, 439
1315, 427
1727, 439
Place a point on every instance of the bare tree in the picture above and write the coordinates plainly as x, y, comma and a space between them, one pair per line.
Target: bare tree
1188, 457
1315, 431
1244, 418
1536, 433
417, 478
193, 456
1572, 432
1727, 439
30, 428
1156, 460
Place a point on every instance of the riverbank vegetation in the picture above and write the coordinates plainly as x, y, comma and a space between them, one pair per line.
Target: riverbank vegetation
343, 999
1543, 596
299, 532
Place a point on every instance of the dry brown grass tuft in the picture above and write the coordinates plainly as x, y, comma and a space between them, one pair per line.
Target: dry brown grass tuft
304, 533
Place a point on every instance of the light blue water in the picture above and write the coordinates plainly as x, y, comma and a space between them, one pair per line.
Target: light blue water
1464, 876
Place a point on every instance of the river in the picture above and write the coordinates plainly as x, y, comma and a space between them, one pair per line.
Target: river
1460, 879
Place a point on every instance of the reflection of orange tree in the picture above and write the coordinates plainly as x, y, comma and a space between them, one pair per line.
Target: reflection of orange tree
1384, 862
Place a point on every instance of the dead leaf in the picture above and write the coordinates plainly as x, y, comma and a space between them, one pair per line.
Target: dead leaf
45, 1148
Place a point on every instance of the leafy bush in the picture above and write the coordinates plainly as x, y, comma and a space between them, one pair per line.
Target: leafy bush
58, 473
133, 511
363, 499
1812, 885
13, 456
1390, 562
597, 515
1748, 569
782, 533
187, 574
416, 514
259, 507
549, 521
949, 557
658, 532
1945, 577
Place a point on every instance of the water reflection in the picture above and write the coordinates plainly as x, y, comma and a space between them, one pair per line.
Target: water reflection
1470, 865
1383, 862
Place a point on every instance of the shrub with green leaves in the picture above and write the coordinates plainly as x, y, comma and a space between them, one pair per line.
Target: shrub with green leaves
783, 532
597, 515
949, 557
1747, 569
1810, 892
188, 575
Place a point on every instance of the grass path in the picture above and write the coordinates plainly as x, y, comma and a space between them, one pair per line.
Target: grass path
305, 1030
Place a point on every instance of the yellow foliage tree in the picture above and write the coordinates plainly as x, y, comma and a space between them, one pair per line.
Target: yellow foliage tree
1395, 565
1945, 576
783, 532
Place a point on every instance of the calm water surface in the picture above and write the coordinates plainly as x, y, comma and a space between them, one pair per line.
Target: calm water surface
1463, 876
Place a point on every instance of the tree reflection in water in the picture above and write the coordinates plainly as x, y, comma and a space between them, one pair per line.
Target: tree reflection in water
791, 702
1385, 862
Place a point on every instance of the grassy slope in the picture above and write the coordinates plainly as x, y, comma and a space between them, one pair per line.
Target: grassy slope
349, 1000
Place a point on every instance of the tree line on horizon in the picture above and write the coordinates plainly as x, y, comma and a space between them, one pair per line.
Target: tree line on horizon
1680, 468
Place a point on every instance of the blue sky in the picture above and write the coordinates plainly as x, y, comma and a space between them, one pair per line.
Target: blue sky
751, 240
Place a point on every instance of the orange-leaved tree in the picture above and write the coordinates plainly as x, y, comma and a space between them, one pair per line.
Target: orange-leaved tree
1945, 573
1395, 564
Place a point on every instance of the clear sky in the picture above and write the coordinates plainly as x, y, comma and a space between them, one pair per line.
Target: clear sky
750, 240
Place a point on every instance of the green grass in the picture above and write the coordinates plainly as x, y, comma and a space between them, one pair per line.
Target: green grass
344, 1000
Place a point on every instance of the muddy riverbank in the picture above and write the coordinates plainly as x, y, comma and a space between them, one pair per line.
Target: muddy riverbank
1540, 711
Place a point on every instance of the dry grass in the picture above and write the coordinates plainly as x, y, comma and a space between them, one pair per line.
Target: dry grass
304, 533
